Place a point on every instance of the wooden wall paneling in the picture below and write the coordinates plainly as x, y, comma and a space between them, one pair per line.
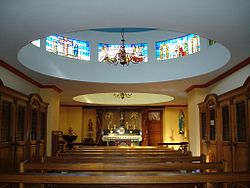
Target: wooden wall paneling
232, 138
21, 150
203, 129
7, 131
225, 133
42, 129
37, 127
209, 127
240, 138
16, 144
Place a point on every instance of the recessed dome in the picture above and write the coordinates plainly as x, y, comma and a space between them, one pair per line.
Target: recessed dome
209, 58
134, 99
126, 29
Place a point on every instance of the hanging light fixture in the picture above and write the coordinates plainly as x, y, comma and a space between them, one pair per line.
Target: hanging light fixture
122, 95
123, 54
123, 58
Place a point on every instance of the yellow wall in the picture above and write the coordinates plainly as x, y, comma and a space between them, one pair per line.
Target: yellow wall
195, 97
71, 117
53, 99
171, 126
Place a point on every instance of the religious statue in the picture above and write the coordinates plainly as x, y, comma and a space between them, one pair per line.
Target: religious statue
90, 125
181, 122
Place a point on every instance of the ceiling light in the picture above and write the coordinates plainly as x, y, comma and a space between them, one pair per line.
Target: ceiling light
135, 99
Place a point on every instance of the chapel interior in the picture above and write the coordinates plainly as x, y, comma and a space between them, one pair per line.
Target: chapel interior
124, 93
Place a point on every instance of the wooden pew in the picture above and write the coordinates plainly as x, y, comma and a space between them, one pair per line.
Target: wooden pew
140, 181
125, 152
122, 167
159, 174
125, 155
122, 148
116, 159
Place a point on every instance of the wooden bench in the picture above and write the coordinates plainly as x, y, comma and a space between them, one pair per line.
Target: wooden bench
108, 174
125, 155
140, 181
117, 151
123, 148
134, 159
121, 167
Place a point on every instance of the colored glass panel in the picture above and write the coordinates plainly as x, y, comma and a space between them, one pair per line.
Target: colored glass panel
68, 47
177, 47
136, 53
36, 43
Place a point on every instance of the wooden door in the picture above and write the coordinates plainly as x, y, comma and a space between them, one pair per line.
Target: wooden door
234, 137
42, 133
21, 150
203, 131
154, 127
33, 134
240, 126
226, 131
212, 134
7, 134
37, 127
209, 128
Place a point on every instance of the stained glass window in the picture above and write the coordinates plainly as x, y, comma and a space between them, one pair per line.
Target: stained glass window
136, 53
36, 42
177, 47
68, 47
211, 42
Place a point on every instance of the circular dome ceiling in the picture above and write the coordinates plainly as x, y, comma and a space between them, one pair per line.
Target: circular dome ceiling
208, 59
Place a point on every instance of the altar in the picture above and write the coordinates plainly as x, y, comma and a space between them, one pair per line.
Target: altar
122, 140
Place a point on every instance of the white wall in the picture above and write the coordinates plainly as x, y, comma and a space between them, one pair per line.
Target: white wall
13, 81
231, 82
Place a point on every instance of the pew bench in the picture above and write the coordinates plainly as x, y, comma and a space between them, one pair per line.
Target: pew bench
122, 167
129, 181
117, 159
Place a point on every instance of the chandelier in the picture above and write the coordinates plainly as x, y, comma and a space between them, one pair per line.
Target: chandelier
122, 55
122, 95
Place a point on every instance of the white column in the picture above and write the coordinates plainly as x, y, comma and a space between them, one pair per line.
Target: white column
51, 97
195, 97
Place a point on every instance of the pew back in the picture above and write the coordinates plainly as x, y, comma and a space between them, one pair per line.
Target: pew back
123, 167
